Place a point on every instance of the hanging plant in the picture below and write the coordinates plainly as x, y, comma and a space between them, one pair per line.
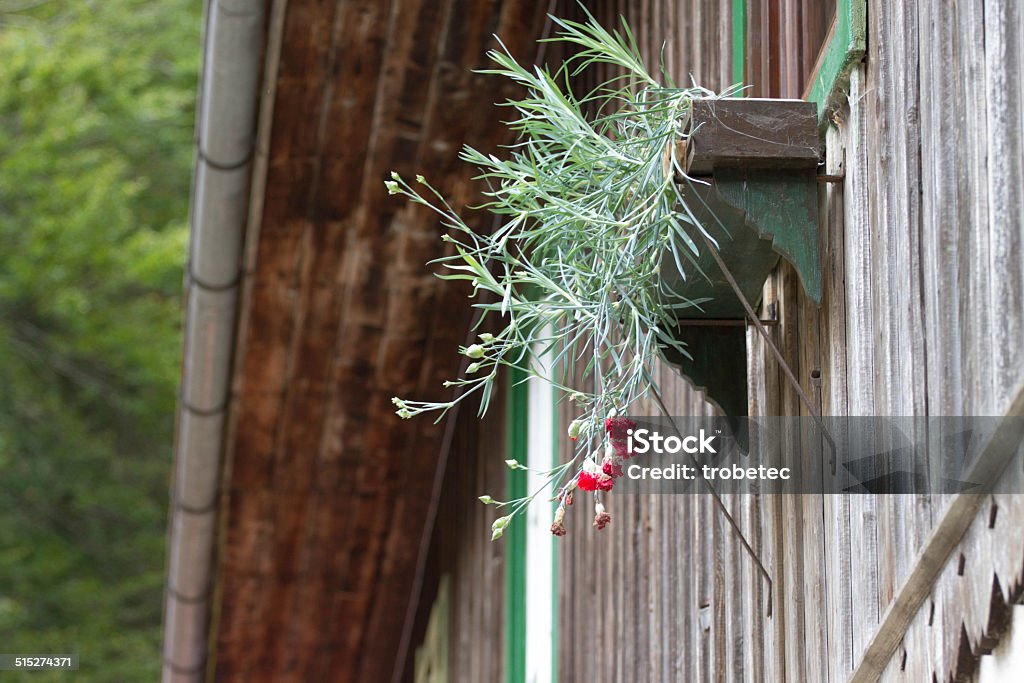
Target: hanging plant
589, 210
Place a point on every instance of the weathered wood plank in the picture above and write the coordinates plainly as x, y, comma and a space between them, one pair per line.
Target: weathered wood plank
833, 390
814, 466
752, 133
944, 537
941, 209
974, 273
859, 277
1004, 68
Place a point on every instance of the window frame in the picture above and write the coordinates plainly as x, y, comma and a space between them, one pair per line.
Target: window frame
843, 47
522, 439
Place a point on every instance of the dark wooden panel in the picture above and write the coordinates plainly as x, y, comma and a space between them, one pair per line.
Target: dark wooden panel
327, 490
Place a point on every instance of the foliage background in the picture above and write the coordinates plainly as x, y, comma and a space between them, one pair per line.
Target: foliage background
96, 119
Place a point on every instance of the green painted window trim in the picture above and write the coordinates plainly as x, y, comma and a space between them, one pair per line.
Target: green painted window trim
739, 41
845, 49
516, 425
555, 433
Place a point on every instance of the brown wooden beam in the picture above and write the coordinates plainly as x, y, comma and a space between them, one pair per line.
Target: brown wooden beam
752, 133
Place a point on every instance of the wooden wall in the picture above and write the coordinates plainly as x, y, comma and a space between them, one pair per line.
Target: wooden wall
461, 548
923, 314
635, 598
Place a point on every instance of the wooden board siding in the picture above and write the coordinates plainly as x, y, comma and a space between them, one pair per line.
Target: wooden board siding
922, 314
634, 597
326, 491
461, 548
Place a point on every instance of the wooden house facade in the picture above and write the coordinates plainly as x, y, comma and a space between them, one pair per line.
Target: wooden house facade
344, 545
921, 130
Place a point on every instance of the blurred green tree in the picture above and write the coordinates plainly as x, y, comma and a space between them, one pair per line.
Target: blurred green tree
96, 119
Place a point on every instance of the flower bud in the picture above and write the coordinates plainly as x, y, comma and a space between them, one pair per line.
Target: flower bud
403, 409
475, 351
498, 528
486, 500
558, 525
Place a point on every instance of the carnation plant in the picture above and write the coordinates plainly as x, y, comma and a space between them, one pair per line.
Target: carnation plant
589, 208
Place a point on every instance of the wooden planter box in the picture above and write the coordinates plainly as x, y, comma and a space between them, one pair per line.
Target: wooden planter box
751, 168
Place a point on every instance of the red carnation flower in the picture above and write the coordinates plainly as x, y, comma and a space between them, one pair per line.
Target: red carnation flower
621, 447
595, 482
611, 468
617, 427
586, 481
